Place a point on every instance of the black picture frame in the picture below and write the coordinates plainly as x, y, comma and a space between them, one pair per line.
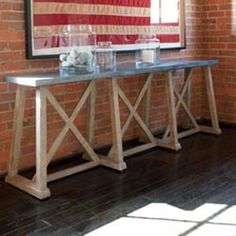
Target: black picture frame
44, 53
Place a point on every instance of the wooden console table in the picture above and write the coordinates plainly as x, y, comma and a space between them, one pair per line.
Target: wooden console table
37, 186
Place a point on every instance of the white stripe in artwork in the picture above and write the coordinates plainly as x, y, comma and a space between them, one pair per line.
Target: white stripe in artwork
117, 47
42, 31
90, 9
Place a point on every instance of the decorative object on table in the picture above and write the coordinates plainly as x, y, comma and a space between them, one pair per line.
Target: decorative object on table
78, 61
148, 52
80, 41
105, 56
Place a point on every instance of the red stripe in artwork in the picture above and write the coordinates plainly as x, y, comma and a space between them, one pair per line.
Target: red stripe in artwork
130, 39
130, 3
61, 19
169, 38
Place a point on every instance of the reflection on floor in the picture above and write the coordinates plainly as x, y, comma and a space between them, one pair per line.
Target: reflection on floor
192, 192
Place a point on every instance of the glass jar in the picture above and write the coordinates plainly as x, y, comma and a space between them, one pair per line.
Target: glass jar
148, 51
105, 56
77, 43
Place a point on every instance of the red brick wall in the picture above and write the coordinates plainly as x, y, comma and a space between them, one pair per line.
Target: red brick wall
12, 60
220, 42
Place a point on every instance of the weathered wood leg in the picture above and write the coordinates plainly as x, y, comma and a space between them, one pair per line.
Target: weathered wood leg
172, 111
17, 131
37, 188
115, 161
188, 123
91, 115
215, 129
189, 89
41, 143
91, 103
147, 109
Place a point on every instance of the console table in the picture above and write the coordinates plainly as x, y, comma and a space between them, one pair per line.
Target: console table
37, 186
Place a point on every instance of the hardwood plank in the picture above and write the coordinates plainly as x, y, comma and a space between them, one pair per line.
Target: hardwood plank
211, 99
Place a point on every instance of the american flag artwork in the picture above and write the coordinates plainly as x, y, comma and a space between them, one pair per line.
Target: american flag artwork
118, 21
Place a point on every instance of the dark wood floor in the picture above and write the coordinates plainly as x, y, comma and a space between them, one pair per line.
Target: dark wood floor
204, 171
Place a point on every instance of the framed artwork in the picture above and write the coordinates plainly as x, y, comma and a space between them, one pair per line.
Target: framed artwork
118, 21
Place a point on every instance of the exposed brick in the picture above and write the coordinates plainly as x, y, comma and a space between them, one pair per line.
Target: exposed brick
222, 15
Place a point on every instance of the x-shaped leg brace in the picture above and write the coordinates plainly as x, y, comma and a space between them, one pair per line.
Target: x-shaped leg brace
171, 134
116, 154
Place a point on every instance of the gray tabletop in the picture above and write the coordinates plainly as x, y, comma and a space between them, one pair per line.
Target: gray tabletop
122, 70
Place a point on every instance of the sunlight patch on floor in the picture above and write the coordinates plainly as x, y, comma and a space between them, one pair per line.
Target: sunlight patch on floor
214, 230
166, 211
226, 217
164, 219
141, 227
